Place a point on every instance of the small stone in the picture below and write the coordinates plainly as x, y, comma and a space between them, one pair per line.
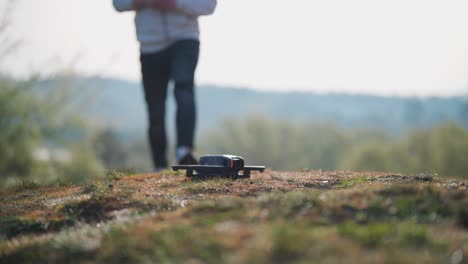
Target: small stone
322, 197
457, 257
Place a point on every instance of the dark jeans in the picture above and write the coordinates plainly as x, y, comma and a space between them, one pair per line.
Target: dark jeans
177, 63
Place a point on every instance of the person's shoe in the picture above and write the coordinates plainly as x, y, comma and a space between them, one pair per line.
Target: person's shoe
188, 159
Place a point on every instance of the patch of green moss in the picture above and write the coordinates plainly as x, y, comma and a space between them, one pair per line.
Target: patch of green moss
350, 182
47, 253
179, 244
117, 174
214, 185
289, 243
90, 187
292, 204
386, 234
14, 226
25, 185
369, 235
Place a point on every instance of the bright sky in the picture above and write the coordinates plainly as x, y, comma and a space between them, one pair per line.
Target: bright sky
391, 47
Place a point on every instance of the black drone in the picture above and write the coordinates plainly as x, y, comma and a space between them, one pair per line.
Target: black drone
219, 166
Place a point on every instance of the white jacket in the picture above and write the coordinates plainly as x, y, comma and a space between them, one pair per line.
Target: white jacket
157, 30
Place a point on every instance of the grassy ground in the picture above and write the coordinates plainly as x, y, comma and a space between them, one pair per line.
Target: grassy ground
274, 217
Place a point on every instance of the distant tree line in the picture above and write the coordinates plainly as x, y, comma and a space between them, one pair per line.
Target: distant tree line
284, 145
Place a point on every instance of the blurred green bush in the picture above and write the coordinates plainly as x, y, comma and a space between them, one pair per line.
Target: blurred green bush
35, 122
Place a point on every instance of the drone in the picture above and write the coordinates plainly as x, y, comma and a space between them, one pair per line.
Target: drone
229, 166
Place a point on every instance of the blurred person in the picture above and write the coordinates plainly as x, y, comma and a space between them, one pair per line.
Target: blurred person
168, 32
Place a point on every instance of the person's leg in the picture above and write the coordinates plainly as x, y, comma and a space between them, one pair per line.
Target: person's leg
184, 62
155, 70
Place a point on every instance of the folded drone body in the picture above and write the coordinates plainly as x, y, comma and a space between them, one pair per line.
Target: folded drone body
219, 166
